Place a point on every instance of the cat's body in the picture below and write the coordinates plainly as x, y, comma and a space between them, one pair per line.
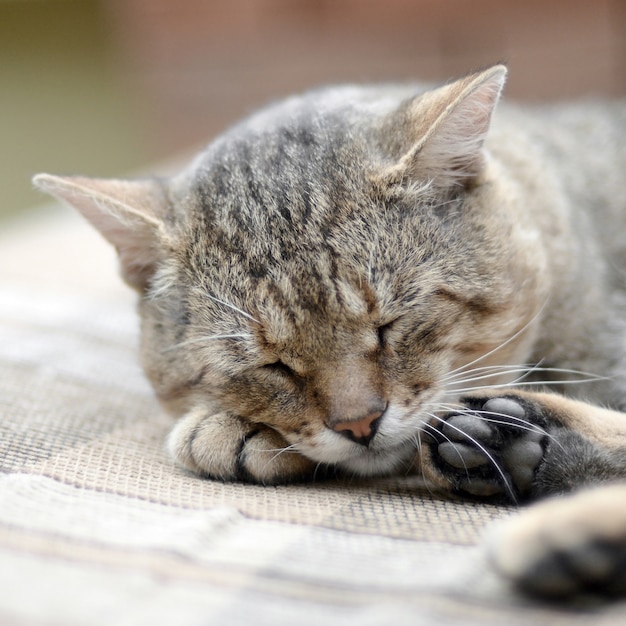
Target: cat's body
346, 280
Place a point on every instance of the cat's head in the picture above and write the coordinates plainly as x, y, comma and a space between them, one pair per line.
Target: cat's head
326, 267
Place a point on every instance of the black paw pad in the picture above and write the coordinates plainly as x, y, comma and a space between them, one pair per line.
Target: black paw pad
493, 447
596, 568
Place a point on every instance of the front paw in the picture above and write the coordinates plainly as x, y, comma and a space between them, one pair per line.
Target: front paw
491, 448
223, 446
566, 546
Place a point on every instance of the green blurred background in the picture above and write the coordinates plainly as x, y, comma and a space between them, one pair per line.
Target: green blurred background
64, 106
109, 87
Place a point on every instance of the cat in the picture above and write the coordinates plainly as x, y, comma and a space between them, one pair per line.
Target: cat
376, 280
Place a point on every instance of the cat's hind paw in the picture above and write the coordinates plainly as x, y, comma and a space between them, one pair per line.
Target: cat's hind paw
566, 547
225, 447
491, 447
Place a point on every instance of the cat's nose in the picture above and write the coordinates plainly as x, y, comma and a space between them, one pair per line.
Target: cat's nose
361, 431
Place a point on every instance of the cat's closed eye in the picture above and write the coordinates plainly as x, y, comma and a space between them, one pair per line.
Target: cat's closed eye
383, 332
280, 368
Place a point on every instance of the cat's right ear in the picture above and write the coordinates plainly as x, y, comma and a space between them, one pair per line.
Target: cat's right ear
127, 213
439, 134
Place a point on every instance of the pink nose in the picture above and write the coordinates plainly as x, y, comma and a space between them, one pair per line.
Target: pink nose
361, 431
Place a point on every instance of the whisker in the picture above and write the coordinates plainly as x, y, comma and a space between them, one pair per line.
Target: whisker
483, 368
290, 449
418, 448
514, 369
207, 339
440, 434
523, 373
417, 442
317, 467
459, 380
509, 420
526, 383
522, 330
528, 373
491, 370
231, 306
484, 450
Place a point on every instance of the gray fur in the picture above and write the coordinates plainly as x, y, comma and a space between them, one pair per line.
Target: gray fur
332, 272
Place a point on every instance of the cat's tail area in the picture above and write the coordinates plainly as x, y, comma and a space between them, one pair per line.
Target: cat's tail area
566, 548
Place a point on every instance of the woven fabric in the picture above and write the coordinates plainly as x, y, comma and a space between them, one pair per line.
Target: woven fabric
97, 526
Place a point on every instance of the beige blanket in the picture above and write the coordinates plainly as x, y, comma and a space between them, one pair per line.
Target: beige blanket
98, 527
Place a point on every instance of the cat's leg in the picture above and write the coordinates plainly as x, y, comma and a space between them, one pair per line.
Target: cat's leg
525, 445
225, 447
566, 546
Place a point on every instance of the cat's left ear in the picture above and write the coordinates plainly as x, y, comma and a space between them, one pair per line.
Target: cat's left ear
128, 213
443, 131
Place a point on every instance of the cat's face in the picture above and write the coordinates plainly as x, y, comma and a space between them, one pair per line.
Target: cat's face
305, 297
321, 271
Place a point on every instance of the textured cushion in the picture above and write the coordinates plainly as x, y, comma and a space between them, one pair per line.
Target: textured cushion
97, 525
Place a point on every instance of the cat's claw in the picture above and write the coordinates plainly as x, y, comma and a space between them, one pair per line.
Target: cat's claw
493, 447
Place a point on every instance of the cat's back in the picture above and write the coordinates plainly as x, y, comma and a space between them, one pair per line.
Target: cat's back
576, 152
588, 132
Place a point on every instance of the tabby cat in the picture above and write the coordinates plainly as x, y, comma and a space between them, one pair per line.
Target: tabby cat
370, 280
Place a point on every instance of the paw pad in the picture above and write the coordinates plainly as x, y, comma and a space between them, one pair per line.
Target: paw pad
492, 447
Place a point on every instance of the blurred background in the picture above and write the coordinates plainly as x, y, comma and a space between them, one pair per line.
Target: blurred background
108, 87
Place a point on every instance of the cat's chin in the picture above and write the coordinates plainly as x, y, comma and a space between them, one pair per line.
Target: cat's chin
380, 462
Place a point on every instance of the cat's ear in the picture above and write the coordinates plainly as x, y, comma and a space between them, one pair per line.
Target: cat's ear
446, 129
127, 213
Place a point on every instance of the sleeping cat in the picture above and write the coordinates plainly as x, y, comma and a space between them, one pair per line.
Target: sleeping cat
363, 279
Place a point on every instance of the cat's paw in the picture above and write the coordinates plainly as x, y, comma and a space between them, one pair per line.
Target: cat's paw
567, 546
222, 446
491, 447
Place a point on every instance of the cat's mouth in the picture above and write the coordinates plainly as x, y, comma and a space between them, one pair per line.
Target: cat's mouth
391, 445
383, 461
